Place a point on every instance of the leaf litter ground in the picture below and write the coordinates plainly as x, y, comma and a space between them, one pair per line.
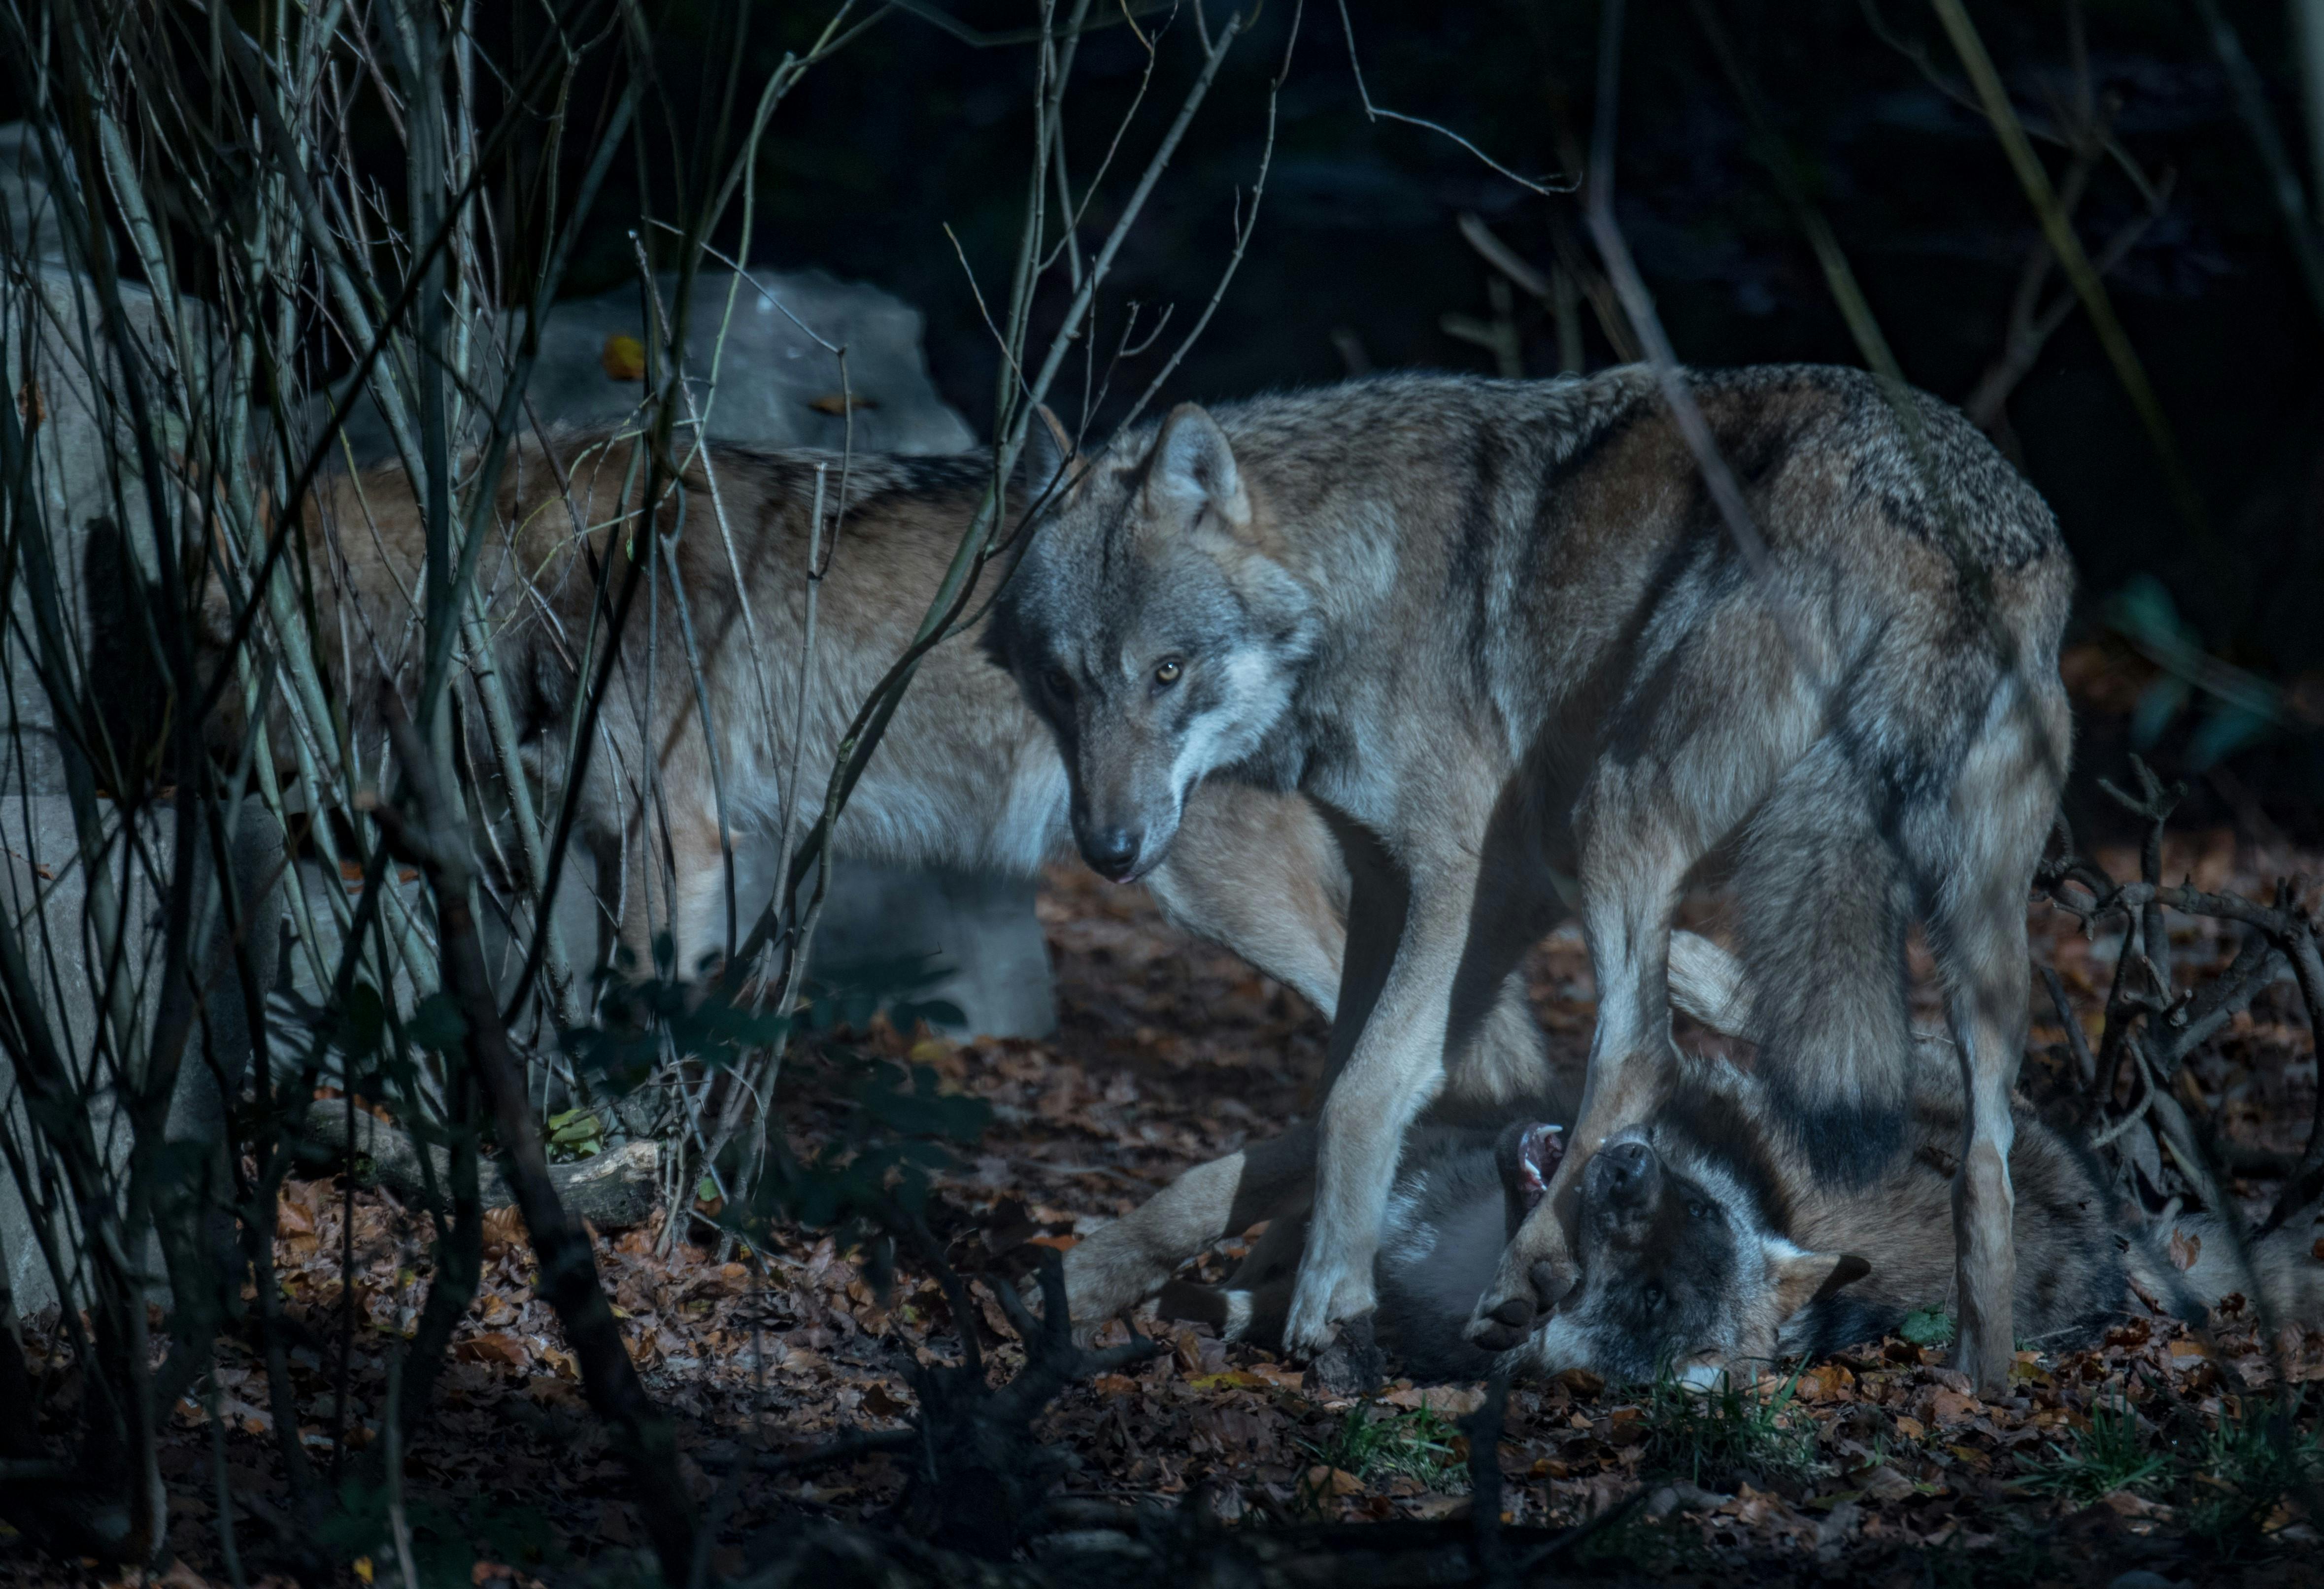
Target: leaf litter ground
2154, 1451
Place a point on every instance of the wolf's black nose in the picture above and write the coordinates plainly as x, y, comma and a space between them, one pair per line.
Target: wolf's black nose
1626, 1171
1112, 852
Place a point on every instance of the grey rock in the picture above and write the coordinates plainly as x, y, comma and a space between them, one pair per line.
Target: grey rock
613, 1191
43, 885
90, 498
776, 384
979, 927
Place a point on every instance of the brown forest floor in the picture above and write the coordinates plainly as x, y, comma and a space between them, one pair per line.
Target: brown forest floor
1879, 1468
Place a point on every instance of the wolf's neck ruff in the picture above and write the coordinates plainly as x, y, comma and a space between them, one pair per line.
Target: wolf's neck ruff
1496, 627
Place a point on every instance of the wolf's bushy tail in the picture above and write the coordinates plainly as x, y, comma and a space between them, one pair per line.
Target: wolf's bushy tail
1825, 904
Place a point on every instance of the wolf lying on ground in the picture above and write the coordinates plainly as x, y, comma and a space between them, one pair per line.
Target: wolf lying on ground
1496, 631
1707, 1244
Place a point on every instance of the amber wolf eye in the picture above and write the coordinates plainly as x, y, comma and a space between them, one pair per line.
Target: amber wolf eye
1166, 672
1059, 682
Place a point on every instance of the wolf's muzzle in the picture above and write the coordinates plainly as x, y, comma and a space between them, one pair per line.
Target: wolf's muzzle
1624, 1175
1112, 852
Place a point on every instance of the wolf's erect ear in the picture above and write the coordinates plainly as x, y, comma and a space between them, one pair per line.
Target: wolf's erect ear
1803, 1279
1194, 469
1049, 452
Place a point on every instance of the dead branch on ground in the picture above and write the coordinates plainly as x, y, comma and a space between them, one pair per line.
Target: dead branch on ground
2154, 1023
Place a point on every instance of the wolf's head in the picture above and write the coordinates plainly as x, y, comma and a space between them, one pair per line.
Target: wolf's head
1678, 1270
1153, 622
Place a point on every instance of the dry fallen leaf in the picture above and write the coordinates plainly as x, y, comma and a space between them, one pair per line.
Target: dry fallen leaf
837, 402
503, 1232
2185, 1248
1951, 1407
880, 1402
1885, 1483
1438, 1508
623, 358
492, 1347
1446, 1401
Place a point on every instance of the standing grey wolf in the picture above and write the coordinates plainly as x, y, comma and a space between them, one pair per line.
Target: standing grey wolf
966, 776
1496, 632
1708, 1246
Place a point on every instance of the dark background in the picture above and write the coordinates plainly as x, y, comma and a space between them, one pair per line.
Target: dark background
911, 129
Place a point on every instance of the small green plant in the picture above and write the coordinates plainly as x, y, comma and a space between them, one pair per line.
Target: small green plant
1722, 1430
1416, 1445
2251, 1464
575, 1134
2110, 1455
1927, 1327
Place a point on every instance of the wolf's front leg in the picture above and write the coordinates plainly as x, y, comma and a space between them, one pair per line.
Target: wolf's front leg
1396, 1069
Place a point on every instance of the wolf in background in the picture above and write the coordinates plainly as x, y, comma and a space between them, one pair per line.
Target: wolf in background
1496, 631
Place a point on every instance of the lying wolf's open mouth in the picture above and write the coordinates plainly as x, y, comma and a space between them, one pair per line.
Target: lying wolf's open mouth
1539, 1151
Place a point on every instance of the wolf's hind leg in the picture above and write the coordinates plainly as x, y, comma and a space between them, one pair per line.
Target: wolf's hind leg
1118, 1267
1251, 1303
1239, 1312
1972, 859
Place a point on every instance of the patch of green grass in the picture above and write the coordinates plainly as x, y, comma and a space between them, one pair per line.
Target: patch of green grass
1711, 1436
2250, 1465
2110, 1455
1374, 1444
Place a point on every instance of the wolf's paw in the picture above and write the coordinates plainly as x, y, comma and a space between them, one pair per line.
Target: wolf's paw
1505, 1317
1105, 1279
1326, 1294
